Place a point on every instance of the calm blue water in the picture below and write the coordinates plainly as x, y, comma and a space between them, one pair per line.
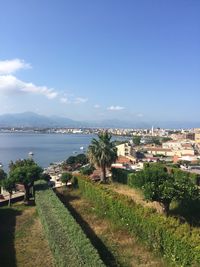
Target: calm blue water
47, 148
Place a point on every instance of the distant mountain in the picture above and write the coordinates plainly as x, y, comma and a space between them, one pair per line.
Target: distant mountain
31, 119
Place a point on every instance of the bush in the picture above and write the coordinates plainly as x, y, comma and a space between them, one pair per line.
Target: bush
176, 241
69, 245
120, 175
127, 177
87, 170
66, 177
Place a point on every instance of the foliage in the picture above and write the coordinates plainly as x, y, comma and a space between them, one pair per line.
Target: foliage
81, 159
120, 175
87, 170
102, 152
176, 241
166, 139
161, 184
25, 172
71, 160
156, 141
66, 177
136, 140
3, 175
69, 245
9, 186
46, 177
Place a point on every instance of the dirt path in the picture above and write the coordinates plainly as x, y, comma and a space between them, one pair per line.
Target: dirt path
135, 195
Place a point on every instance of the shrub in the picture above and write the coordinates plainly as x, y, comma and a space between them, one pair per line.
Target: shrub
176, 241
69, 245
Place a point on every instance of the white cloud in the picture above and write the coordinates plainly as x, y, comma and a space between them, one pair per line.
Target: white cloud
96, 106
80, 100
115, 108
65, 100
10, 84
13, 65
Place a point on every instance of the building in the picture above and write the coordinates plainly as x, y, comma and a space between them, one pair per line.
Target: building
197, 136
125, 149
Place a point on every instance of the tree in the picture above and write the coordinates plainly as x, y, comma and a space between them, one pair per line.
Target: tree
160, 185
66, 177
9, 186
25, 172
136, 140
156, 141
102, 152
46, 177
81, 159
71, 160
3, 176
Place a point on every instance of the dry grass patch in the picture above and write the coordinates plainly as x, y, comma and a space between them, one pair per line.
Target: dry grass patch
125, 249
25, 243
136, 195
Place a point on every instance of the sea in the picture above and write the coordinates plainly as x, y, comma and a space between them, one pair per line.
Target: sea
46, 148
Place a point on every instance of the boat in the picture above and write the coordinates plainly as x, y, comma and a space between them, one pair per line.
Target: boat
31, 153
81, 148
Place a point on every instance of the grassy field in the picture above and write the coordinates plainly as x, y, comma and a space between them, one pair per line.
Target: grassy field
22, 239
116, 247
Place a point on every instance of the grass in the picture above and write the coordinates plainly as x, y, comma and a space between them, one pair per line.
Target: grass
116, 247
22, 240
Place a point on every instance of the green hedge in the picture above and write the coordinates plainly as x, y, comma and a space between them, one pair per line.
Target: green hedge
135, 180
69, 245
176, 241
127, 177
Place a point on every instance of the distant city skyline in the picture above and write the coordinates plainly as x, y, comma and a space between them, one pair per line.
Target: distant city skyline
97, 60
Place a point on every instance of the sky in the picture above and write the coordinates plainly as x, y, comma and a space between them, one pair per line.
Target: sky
101, 59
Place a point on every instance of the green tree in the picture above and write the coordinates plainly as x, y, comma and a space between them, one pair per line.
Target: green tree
81, 159
46, 177
3, 176
71, 160
66, 177
156, 141
162, 186
102, 153
25, 172
9, 186
136, 140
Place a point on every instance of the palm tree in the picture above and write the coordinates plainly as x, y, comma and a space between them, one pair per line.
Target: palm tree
102, 152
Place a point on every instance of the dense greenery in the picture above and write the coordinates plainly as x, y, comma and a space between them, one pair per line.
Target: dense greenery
3, 176
102, 152
136, 140
176, 241
161, 184
66, 177
79, 159
25, 172
69, 245
9, 186
87, 170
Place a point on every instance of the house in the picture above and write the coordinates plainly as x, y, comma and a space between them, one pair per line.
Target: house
125, 149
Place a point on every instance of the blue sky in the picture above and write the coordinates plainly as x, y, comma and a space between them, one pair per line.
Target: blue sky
94, 60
